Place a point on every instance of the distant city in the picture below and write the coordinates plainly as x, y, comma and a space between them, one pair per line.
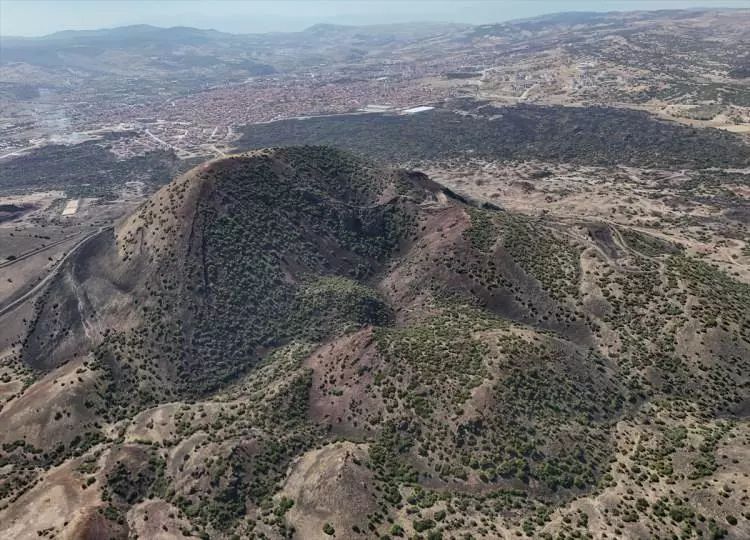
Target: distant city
145, 88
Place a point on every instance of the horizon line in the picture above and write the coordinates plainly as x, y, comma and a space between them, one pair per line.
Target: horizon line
323, 23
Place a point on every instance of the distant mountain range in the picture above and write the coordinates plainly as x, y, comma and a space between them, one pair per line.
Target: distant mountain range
140, 33
144, 50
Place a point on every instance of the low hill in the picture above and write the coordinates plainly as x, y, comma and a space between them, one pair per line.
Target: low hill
298, 343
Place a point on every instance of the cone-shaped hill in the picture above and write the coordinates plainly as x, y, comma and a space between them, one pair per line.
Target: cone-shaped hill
232, 260
296, 343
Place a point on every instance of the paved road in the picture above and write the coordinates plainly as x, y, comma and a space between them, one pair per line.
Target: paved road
157, 139
219, 152
527, 92
20, 151
13, 304
33, 252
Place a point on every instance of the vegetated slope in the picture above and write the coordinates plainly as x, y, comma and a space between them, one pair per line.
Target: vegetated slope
87, 169
227, 263
294, 342
591, 136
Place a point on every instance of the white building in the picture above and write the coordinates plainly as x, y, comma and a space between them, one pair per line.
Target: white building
416, 110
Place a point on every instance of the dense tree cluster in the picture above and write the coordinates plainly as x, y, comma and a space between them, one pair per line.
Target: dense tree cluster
591, 136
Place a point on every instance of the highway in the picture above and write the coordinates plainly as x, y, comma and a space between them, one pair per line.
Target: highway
33, 252
13, 304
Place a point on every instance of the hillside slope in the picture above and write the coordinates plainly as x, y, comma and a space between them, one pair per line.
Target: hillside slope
296, 343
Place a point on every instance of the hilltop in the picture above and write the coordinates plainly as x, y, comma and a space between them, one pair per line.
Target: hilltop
300, 343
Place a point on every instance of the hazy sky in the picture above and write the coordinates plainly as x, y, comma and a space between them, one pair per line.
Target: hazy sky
39, 17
